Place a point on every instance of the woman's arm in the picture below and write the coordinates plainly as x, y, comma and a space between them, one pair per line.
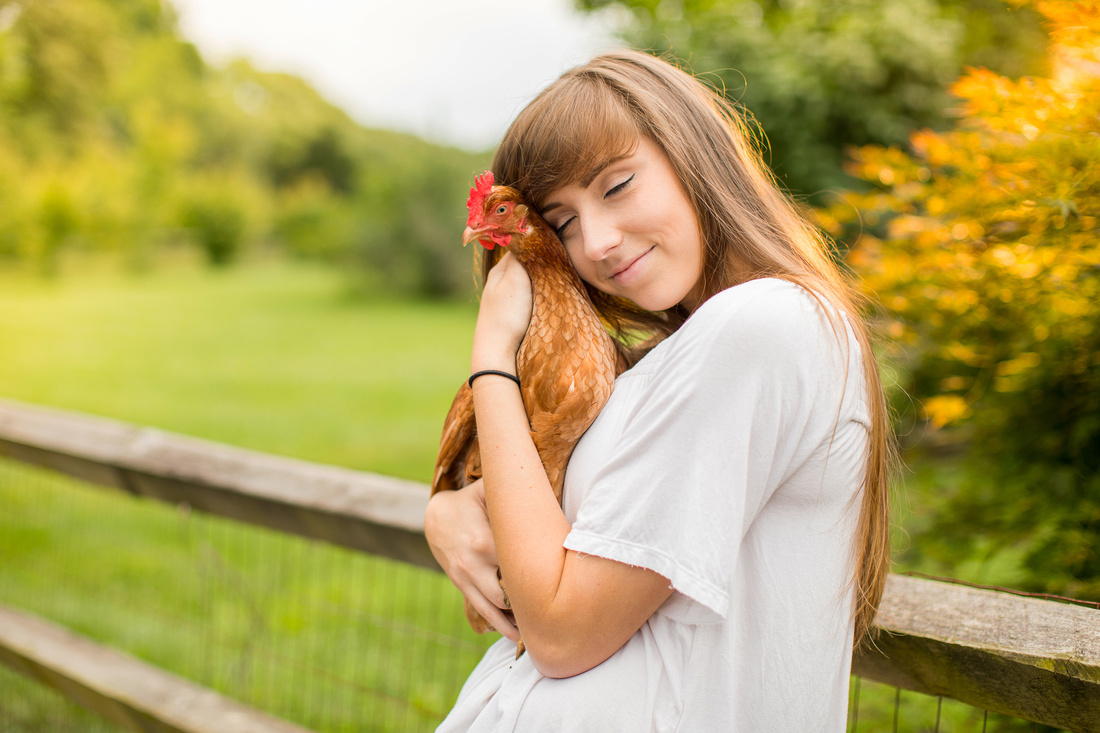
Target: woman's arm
573, 611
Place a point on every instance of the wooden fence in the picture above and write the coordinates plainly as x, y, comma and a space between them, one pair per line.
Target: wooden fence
1034, 659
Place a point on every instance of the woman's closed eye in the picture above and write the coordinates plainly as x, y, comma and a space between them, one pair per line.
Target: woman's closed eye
560, 230
616, 189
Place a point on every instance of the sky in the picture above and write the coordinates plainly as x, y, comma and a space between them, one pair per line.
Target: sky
451, 71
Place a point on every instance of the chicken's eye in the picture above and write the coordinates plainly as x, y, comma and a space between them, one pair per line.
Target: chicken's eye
501, 210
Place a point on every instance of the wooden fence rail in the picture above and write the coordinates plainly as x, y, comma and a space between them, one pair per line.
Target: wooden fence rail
1035, 659
1031, 658
361, 511
120, 688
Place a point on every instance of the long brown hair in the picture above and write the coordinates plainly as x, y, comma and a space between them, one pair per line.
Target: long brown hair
751, 229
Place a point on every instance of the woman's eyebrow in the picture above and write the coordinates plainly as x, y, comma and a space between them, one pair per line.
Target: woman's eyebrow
587, 178
599, 168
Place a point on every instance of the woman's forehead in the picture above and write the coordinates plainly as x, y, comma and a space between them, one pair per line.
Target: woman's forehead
581, 162
584, 181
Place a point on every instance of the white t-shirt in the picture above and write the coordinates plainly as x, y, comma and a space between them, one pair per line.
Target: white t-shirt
728, 460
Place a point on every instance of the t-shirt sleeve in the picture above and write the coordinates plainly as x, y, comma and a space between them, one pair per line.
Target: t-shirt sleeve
727, 416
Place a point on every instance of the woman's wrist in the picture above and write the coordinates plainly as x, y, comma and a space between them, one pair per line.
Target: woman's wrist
493, 373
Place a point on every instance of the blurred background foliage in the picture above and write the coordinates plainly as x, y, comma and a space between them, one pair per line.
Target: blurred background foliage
983, 246
116, 136
977, 234
820, 75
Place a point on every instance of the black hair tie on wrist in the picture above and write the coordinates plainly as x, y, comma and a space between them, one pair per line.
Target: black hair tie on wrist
483, 372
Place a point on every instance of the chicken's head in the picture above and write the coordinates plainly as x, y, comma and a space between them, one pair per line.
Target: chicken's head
497, 213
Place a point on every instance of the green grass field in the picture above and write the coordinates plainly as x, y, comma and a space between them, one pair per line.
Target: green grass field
271, 357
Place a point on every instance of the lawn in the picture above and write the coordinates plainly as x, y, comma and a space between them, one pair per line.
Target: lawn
274, 357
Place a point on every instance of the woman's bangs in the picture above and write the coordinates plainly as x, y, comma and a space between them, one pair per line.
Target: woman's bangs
575, 133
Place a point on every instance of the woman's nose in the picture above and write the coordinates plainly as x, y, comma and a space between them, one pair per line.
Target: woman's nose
601, 235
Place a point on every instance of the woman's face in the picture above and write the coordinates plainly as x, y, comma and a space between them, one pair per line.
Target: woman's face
630, 230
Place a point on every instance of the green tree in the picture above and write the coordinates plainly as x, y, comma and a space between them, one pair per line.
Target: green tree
820, 75
983, 245
54, 64
115, 135
217, 222
414, 211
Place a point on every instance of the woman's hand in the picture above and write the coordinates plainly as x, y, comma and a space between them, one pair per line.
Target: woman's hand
457, 527
503, 318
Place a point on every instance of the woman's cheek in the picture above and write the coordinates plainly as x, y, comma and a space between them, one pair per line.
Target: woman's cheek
580, 264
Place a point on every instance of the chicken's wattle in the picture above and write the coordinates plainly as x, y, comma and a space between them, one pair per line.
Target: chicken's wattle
494, 239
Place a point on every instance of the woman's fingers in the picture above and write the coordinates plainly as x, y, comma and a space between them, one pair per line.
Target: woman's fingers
504, 315
503, 622
458, 532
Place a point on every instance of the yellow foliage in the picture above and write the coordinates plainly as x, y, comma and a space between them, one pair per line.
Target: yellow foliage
982, 244
945, 409
1017, 365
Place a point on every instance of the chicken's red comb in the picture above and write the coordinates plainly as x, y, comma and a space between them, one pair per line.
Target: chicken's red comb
483, 186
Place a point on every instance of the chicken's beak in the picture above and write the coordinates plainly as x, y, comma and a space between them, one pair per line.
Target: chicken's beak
472, 235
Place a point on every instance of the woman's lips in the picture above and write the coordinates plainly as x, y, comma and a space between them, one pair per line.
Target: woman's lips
632, 270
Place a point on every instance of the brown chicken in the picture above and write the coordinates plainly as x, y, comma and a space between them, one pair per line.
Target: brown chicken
567, 362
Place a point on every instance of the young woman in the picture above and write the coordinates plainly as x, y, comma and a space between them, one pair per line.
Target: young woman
723, 538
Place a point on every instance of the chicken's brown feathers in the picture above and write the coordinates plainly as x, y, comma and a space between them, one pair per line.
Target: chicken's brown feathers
567, 362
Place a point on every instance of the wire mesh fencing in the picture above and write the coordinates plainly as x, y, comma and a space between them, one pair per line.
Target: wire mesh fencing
879, 708
328, 638
29, 707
